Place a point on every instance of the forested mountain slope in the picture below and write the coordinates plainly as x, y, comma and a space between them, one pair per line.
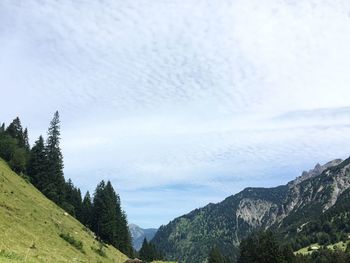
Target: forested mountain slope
285, 209
34, 229
138, 234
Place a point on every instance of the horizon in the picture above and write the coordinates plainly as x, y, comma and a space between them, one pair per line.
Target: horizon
180, 104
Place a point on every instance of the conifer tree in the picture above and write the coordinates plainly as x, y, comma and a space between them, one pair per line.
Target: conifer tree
148, 252
109, 222
55, 188
72, 200
145, 251
26, 140
15, 130
37, 166
260, 247
86, 211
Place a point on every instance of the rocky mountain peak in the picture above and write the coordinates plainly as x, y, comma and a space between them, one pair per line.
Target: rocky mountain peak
317, 170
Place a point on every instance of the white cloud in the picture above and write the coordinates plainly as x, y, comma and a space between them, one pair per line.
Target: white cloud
165, 94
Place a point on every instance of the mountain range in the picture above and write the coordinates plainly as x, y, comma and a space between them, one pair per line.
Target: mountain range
287, 209
138, 234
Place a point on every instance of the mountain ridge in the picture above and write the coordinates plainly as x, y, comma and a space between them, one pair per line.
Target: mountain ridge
190, 237
138, 234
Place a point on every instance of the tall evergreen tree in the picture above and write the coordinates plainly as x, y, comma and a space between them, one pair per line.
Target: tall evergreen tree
86, 211
26, 140
55, 189
148, 252
13, 146
260, 247
15, 130
72, 201
145, 251
125, 235
37, 166
109, 222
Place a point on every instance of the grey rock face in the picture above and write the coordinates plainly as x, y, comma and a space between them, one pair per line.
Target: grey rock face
138, 234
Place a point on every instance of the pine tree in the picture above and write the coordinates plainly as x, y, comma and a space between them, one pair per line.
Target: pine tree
215, 256
72, 201
86, 213
26, 140
15, 130
109, 222
37, 166
145, 251
55, 188
125, 235
260, 247
148, 252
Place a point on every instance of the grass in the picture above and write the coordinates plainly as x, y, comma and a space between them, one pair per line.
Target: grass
31, 225
340, 246
71, 240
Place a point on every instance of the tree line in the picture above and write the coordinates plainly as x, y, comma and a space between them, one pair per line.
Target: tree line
264, 247
42, 165
148, 252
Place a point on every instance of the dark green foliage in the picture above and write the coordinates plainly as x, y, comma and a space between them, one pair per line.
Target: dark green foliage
55, 189
215, 256
86, 210
263, 247
108, 220
37, 165
14, 145
288, 254
26, 145
8, 145
15, 130
2, 128
72, 200
148, 252
328, 228
260, 247
18, 160
328, 256
74, 242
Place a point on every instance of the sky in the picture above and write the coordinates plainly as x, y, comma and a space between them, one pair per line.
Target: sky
180, 103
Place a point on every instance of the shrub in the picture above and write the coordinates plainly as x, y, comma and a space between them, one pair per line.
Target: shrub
99, 250
74, 242
9, 255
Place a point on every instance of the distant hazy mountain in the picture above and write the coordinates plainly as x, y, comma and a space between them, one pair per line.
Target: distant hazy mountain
138, 234
322, 193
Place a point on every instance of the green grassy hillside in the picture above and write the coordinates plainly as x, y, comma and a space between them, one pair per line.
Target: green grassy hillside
307, 250
34, 229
